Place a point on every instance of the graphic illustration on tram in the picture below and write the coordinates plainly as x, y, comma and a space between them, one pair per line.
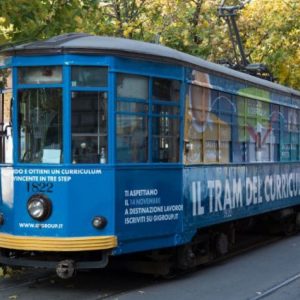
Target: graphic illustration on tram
112, 146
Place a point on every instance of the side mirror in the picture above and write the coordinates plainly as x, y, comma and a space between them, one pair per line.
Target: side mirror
188, 146
8, 130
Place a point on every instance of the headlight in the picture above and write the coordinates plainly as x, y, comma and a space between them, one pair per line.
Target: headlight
99, 222
39, 207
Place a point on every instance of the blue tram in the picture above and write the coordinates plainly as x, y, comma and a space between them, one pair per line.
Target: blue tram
111, 146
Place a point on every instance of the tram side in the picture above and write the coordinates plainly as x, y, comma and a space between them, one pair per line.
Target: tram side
241, 152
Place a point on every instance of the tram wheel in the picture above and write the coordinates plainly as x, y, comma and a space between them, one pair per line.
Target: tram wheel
289, 226
222, 244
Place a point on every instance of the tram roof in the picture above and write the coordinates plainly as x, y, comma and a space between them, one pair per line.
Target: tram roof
82, 43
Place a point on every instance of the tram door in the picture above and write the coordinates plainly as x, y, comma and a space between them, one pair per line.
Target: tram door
2, 140
6, 151
5, 128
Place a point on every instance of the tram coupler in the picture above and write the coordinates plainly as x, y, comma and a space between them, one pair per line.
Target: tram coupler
66, 269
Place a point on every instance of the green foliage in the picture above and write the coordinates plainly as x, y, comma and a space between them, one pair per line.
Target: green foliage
27, 20
274, 28
270, 30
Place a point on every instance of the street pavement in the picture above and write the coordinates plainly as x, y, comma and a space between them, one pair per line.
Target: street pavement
271, 272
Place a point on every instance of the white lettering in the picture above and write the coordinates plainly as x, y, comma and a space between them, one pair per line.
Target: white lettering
237, 200
218, 193
248, 191
198, 209
227, 196
210, 186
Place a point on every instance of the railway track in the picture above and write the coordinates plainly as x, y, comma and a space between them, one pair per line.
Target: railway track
108, 284
280, 285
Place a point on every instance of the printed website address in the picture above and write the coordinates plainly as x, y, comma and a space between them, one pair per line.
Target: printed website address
41, 226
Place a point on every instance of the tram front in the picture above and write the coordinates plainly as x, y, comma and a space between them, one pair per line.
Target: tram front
56, 202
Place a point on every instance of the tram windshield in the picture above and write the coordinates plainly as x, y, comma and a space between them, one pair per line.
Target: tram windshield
40, 125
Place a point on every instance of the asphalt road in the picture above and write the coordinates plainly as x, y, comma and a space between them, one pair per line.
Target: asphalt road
271, 272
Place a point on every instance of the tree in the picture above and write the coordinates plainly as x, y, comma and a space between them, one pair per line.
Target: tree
274, 36
115, 17
38, 19
270, 30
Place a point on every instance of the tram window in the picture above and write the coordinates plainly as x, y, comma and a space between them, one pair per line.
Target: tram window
224, 143
285, 141
89, 76
165, 121
132, 107
132, 87
211, 141
192, 137
133, 115
275, 132
250, 130
209, 121
239, 139
238, 129
239, 132
165, 139
170, 110
132, 138
210, 151
289, 141
294, 132
263, 131
132, 120
165, 89
40, 75
40, 125
226, 113
89, 127
197, 109
5, 79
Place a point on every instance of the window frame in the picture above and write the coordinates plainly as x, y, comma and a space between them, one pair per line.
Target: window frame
262, 112
102, 152
151, 115
34, 86
20, 158
6, 95
81, 89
